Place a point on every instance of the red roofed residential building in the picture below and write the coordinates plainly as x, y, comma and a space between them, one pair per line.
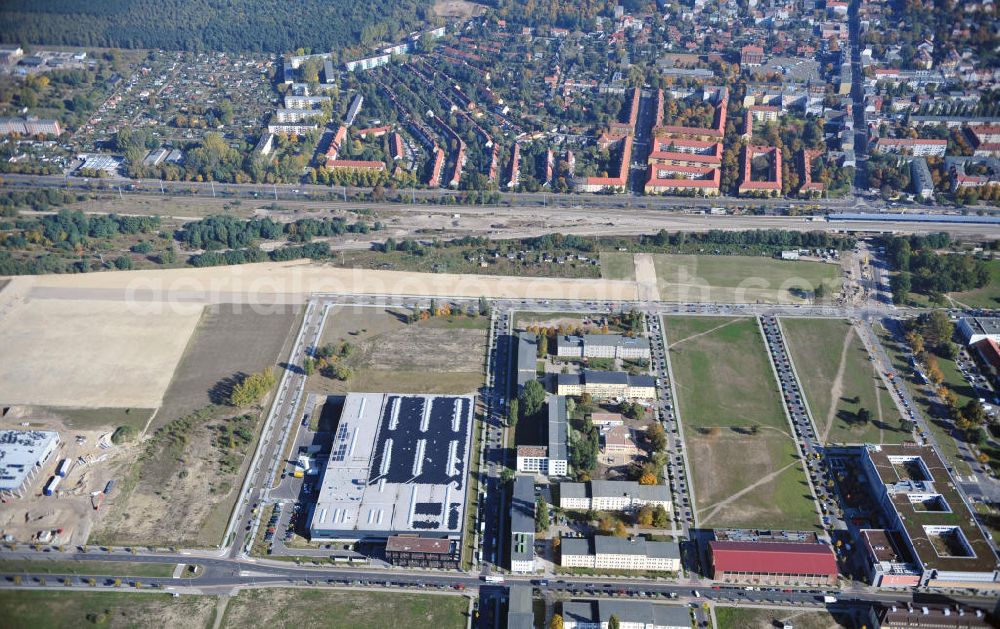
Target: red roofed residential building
986, 139
459, 164
772, 185
773, 563
570, 163
396, 146
550, 166
436, 167
616, 183
494, 163
515, 167
333, 150
809, 187
354, 164
713, 134
375, 132
699, 180
989, 351
906, 146
751, 56
680, 152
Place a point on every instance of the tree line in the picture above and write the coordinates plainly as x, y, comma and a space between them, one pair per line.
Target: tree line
921, 269
200, 25
227, 232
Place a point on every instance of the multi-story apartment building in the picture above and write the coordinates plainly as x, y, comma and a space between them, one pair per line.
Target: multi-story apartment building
604, 552
612, 495
606, 384
603, 346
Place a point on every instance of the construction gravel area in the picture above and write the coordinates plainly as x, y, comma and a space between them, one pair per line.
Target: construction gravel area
71, 509
91, 353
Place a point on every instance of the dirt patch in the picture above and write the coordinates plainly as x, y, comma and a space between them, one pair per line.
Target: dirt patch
178, 483
231, 340
289, 282
438, 355
458, 9
91, 353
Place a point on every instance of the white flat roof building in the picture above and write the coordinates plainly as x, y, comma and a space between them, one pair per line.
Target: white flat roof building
22, 453
398, 464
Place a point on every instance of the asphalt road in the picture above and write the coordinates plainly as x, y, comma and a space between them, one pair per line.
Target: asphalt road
223, 574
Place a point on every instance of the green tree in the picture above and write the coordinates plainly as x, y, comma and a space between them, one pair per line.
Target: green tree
541, 515
532, 397
512, 413
657, 437
556, 622
661, 519
614, 623
309, 366
252, 388
645, 516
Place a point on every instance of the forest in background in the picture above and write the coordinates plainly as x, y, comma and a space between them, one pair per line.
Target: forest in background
201, 25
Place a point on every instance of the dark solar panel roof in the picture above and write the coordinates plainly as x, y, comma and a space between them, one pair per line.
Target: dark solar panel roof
406, 439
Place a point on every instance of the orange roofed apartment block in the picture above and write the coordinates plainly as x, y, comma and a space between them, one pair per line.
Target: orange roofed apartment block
618, 134
770, 187
687, 160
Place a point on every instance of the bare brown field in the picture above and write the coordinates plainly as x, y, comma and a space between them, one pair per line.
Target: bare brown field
231, 340
458, 9
172, 490
91, 354
291, 282
439, 355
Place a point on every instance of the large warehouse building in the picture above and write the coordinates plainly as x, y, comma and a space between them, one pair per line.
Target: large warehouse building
22, 454
398, 464
773, 563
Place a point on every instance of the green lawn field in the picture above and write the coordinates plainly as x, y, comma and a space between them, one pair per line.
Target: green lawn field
95, 567
741, 279
750, 618
343, 609
725, 388
985, 297
616, 265
47, 609
838, 380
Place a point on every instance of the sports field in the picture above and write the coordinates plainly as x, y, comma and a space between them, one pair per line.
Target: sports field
838, 380
741, 279
746, 471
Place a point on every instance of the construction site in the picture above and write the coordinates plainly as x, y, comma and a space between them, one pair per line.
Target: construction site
62, 496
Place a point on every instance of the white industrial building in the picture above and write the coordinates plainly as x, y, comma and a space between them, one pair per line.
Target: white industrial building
398, 464
22, 454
